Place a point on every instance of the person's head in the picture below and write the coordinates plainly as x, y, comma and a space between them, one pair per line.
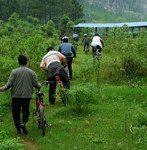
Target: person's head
85, 35
96, 34
50, 48
65, 39
22, 60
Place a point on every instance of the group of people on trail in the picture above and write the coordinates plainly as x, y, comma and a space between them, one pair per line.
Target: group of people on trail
22, 80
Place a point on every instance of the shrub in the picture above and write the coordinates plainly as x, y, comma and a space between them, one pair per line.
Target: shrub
133, 67
32, 20
111, 72
12, 144
49, 28
81, 100
7, 143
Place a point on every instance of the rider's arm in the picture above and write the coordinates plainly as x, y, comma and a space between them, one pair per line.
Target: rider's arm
43, 65
102, 42
2, 89
62, 59
36, 84
59, 49
9, 82
73, 50
64, 62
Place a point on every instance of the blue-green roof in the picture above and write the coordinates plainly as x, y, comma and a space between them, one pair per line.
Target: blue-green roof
110, 25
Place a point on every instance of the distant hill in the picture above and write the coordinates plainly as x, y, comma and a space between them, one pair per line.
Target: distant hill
114, 10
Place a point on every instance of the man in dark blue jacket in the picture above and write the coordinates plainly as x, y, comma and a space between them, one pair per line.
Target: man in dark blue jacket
68, 51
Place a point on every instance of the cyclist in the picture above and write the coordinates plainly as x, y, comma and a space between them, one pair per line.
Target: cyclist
86, 42
75, 40
97, 42
52, 63
68, 51
75, 37
21, 81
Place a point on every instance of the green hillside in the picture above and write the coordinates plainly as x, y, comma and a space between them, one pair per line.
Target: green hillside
114, 10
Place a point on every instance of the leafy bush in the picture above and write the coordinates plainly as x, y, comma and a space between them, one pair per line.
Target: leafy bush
111, 72
133, 68
81, 99
32, 20
8, 143
49, 28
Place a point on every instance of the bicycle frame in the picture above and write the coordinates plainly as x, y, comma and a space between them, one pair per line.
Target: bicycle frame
96, 53
40, 110
86, 49
75, 44
62, 90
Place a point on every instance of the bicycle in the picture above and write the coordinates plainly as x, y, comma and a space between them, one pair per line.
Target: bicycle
75, 45
96, 53
63, 93
86, 49
42, 124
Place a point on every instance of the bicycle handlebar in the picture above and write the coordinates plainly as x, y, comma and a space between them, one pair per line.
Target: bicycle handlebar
44, 82
37, 90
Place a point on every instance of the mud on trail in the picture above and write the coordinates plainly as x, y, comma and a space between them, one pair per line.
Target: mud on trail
29, 143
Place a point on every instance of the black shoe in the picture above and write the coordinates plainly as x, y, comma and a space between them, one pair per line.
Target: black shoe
24, 130
19, 132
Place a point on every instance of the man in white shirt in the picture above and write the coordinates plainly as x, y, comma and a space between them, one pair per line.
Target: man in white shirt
97, 42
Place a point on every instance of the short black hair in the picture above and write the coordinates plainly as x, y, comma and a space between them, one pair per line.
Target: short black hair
22, 59
96, 34
49, 48
65, 39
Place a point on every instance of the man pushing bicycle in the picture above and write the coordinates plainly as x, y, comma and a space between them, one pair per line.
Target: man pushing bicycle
22, 80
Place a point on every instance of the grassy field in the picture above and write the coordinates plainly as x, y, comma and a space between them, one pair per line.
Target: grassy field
109, 116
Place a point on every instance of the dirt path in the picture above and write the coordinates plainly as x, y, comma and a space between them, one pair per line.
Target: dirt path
29, 143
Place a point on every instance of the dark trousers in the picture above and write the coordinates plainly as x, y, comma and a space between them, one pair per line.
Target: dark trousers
52, 88
69, 64
97, 47
20, 105
86, 44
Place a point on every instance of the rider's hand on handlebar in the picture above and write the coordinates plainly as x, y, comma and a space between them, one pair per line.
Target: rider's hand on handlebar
2, 89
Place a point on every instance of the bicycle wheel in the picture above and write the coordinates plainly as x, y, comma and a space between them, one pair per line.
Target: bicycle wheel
86, 49
64, 96
42, 120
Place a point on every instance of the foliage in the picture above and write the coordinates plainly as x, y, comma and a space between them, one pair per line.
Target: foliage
66, 24
82, 97
129, 53
133, 67
6, 142
33, 20
44, 10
